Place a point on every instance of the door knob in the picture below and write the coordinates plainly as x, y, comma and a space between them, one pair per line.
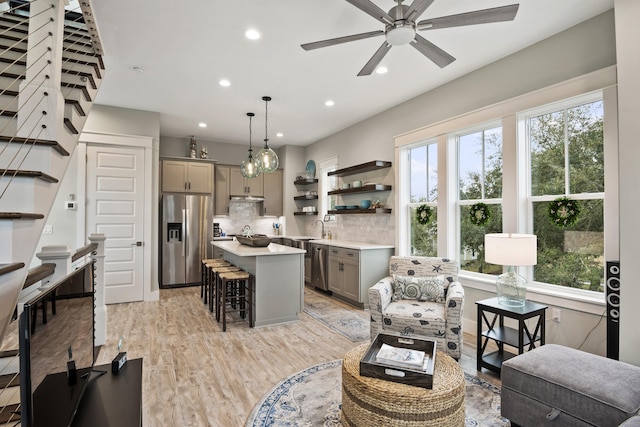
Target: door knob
136, 244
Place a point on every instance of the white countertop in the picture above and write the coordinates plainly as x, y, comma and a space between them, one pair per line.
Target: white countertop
243, 250
351, 245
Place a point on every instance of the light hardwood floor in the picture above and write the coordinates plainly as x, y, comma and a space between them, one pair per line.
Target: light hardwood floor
196, 375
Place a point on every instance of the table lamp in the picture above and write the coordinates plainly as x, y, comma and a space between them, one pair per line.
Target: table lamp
511, 250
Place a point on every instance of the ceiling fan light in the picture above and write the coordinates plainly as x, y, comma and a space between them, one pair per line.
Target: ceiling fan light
400, 35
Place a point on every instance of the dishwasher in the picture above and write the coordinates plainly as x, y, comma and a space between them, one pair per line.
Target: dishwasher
319, 266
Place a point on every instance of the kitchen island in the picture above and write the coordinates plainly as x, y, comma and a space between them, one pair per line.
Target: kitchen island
279, 279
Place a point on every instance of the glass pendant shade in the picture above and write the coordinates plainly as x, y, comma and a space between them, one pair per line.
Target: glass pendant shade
250, 167
267, 158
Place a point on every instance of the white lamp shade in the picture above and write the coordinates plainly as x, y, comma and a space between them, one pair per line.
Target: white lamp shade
510, 249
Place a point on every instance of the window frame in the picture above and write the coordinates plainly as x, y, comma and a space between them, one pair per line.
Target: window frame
405, 197
523, 118
514, 208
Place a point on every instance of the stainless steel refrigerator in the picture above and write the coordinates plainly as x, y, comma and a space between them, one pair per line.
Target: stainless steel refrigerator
187, 231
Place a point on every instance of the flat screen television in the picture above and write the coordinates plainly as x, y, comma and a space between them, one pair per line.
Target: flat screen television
47, 396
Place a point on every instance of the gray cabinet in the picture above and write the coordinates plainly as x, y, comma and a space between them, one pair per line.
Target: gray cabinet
273, 193
180, 176
222, 190
230, 182
352, 272
241, 186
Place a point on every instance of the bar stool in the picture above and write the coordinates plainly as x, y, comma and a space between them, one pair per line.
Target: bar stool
234, 288
215, 271
206, 271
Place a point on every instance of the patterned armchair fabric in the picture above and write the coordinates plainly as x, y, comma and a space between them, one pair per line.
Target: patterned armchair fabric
441, 321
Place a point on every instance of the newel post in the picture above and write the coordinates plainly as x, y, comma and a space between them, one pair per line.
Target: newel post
98, 282
60, 255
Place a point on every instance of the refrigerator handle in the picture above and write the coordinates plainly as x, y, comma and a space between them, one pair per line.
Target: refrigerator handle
184, 232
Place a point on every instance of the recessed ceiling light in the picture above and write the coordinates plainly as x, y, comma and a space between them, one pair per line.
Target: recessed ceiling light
279, 134
252, 34
202, 124
381, 70
224, 82
329, 103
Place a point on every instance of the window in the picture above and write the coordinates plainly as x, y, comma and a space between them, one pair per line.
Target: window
327, 184
423, 191
566, 158
479, 181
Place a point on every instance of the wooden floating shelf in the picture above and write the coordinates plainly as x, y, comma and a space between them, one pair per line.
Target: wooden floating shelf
306, 213
363, 189
360, 211
305, 181
364, 167
306, 197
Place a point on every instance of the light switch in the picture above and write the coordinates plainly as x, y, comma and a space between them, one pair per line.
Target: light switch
48, 229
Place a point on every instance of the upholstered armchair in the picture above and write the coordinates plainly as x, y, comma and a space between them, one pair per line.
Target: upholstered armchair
420, 298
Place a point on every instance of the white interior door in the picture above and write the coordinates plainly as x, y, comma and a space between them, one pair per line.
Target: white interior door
115, 207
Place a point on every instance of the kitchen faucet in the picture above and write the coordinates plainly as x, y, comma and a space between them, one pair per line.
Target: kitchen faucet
321, 222
246, 230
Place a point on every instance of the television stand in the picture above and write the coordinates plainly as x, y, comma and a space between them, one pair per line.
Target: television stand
109, 400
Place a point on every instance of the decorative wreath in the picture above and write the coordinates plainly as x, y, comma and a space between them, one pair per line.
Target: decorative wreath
479, 214
423, 214
563, 211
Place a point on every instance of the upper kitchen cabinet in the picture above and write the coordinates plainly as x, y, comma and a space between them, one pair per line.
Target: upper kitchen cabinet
230, 182
222, 194
183, 176
273, 199
241, 186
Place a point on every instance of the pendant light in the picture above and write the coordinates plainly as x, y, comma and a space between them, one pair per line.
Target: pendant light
267, 158
249, 168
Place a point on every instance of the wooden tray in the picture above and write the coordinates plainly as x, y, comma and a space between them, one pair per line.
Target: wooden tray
257, 240
369, 367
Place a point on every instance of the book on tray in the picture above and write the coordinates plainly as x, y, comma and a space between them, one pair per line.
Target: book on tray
401, 357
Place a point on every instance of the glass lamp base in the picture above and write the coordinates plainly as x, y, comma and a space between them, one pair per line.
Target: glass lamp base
512, 289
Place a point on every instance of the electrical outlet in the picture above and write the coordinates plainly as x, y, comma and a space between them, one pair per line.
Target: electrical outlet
48, 229
555, 314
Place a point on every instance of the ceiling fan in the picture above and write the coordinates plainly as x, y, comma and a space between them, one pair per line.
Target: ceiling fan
401, 26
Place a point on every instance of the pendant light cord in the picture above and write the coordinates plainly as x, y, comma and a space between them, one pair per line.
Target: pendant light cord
266, 100
250, 117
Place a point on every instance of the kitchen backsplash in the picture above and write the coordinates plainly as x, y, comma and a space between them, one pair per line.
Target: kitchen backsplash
243, 213
357, 228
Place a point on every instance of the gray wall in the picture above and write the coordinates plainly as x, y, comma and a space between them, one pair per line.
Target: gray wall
588, 47
628, 34
110, 120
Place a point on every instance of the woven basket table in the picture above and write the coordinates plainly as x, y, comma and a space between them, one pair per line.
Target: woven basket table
368, 402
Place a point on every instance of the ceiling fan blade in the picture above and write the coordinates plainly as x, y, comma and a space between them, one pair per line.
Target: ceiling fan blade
484, 16
431, 51
373, 10
375, 60
338, 40
417, 8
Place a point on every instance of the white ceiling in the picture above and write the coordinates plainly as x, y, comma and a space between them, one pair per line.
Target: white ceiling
186, 47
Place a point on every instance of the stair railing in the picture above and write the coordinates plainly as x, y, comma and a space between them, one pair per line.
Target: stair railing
32, 116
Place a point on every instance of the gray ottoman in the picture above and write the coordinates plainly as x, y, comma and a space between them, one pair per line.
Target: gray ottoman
559, 386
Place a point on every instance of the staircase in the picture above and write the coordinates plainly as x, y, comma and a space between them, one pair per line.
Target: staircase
50, 71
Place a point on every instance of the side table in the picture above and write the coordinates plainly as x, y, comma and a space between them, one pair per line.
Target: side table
520, 337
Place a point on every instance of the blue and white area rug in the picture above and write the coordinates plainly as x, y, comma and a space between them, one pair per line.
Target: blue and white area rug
312, 398
352, 324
